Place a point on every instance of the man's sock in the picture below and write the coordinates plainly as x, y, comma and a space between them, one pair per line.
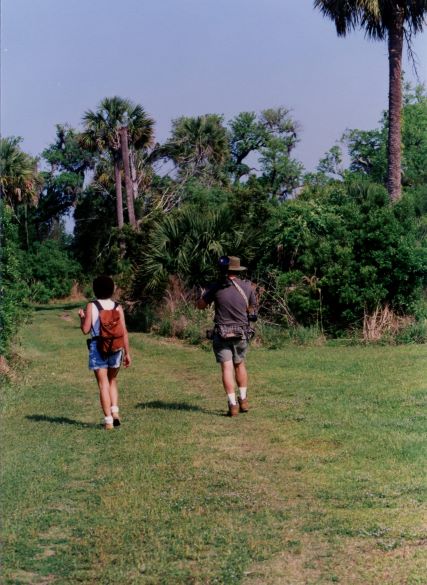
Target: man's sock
242, 393
232, 399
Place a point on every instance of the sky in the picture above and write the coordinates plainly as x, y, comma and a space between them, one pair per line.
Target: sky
189, 57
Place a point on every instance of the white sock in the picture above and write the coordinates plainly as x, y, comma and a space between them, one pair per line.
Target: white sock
114, 410
108, 420
232, 399
242, 393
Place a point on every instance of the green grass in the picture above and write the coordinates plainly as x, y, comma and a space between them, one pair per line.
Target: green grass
323, 481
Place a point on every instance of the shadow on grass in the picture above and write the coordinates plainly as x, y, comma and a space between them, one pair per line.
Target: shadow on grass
162, 405
62, 420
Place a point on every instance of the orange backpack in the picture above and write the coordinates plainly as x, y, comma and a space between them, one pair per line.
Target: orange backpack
111, 332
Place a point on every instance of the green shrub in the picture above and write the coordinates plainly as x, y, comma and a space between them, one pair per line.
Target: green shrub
165, 327
343, 252
51, 271
271, 336
13, 288
413, 333
307, 335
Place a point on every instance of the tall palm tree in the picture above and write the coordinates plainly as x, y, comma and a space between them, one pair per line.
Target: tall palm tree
136, 133
393, 20
117, 124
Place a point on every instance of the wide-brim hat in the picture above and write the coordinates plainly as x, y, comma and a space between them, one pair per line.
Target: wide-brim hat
234, 264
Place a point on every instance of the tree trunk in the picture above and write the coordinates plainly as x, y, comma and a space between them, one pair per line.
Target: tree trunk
119, 196
133, 175
128, 180
395, 46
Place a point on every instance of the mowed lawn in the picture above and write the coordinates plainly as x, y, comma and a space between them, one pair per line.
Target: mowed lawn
323, 481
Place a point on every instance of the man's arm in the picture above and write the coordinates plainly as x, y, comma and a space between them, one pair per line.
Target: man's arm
207, 297
252, 301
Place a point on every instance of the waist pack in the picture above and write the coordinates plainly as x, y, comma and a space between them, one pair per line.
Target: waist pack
111, 332
231, 332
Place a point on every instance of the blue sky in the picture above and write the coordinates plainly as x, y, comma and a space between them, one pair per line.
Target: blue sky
189, 57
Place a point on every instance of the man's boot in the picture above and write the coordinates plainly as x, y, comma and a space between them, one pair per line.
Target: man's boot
233, 410
243, 404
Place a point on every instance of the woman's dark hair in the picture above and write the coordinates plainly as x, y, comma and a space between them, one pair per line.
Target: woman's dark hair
103, 287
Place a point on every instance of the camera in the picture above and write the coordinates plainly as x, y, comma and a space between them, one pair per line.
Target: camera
223, 263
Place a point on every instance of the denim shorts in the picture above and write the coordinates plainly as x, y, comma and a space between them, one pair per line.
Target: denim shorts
227, 350
96, 361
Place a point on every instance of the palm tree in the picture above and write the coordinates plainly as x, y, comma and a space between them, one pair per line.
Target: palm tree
20, 182
187, 243
101, 134
199, 147
117, 124
393, 20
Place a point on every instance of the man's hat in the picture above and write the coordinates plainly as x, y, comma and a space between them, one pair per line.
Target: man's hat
234, 264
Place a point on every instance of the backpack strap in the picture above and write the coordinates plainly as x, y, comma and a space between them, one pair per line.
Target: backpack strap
97, 305
100, 307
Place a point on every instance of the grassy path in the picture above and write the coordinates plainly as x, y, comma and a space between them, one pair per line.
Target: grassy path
322, 482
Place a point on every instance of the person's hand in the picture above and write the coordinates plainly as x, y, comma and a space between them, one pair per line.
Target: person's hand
127, 360
81, 314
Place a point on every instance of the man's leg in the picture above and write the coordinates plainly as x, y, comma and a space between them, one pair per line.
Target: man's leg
242, 383
241, 375
227, 371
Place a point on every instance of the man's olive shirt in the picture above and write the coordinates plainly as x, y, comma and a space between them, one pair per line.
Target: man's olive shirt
230, 306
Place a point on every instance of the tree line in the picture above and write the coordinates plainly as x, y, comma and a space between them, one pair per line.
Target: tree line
328, 249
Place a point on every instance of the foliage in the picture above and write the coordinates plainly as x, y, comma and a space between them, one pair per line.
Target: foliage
376, 17
325, 255
187, 243
13, 287
95, 242
271, 138
115, 130
50, 270
414, 136
368, 148
19, 180
394, 22
63, 183
198, 147
354, 250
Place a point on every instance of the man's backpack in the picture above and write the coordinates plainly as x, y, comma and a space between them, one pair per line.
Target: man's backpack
111, 332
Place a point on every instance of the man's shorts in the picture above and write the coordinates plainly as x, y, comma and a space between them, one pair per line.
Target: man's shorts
227, 350
96, 361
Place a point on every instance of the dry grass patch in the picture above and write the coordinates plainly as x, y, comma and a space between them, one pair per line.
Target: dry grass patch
315, 559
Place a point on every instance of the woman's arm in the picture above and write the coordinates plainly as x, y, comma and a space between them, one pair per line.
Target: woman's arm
127, 359
86, 319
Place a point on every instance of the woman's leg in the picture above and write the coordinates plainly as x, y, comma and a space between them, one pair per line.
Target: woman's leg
112, 379
104, 390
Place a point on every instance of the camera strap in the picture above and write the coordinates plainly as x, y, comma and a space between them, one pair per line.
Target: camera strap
241, 291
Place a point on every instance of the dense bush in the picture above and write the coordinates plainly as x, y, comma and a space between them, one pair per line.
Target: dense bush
50, 271
343, 253
13, 288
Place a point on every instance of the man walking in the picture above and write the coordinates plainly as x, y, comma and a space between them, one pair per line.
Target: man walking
235, 306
